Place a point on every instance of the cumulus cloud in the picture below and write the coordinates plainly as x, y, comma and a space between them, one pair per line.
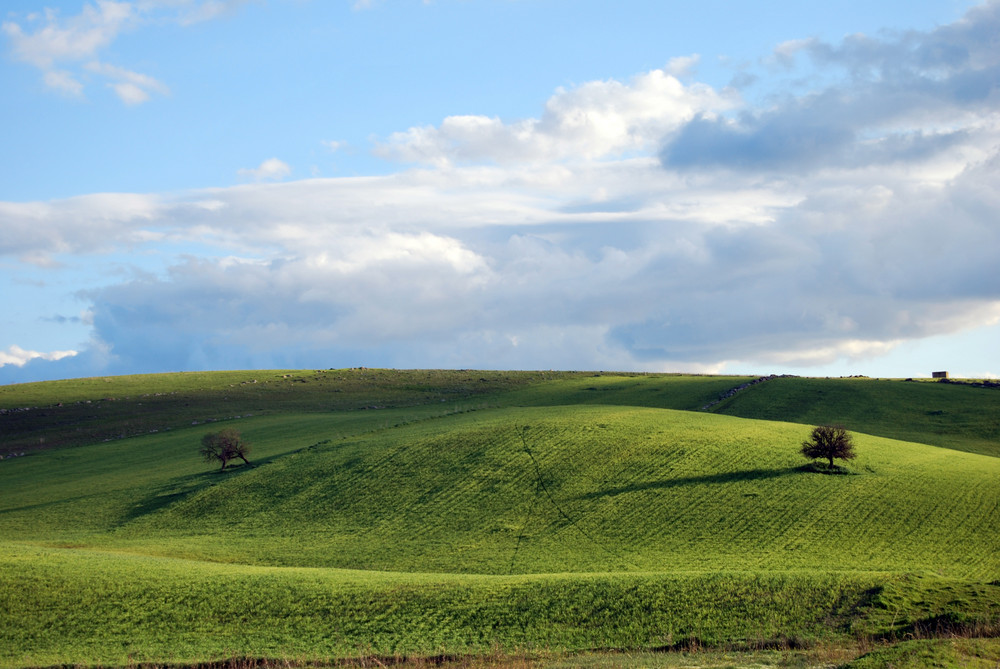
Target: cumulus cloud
593, 120
646, 224
327, 276
35, 232
369, 292
906, 98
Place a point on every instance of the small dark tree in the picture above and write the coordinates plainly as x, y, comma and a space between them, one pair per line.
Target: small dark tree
829, 441
224, 446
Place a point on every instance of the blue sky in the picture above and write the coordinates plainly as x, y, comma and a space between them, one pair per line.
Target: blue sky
763, 187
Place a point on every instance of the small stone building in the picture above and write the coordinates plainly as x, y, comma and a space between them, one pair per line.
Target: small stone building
939, 375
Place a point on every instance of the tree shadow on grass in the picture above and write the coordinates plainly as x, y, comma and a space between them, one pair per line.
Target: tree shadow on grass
182, 487
173, 491
43, 505
725, 477
824, 468
160, 496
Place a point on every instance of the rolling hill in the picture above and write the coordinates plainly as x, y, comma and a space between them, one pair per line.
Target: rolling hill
526, 512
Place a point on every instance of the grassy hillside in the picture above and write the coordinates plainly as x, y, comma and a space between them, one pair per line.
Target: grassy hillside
961, 417
65, 607
85, 411
525, 491
577, 511
99, 607
76, 412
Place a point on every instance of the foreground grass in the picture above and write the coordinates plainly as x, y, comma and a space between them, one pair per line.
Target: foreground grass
84, 607
119, 608
970, 653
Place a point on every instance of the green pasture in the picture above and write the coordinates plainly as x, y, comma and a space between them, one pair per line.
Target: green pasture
527, 513
117, 608
70, 607
87, 411
519, 490
922, 653
75, 412
952, 415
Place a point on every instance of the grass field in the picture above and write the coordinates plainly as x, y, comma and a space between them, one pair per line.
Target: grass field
86, 411
955, 416
525, 516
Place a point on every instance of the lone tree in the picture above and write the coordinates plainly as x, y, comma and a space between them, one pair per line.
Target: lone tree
224, 446
829, 441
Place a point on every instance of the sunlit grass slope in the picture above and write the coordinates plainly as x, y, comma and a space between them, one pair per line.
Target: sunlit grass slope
75, 607
520, 490
952, 415
593, 489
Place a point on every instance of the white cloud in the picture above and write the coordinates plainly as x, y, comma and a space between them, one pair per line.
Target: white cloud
65, 47
271, 169
17, 356
593, 120
34, 231
914, 98
64, 82
682, 66
130, 93
820, 227
786, 52
131, 87
660, 272
196, 12
72, 39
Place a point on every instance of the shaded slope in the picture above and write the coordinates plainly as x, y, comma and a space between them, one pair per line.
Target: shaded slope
78, 412
53, 414
955, 416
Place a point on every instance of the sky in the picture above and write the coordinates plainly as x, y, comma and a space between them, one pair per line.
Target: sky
716, 187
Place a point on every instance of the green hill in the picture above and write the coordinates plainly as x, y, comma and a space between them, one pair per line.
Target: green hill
75, 412
533, 490
535, 513
962, 417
